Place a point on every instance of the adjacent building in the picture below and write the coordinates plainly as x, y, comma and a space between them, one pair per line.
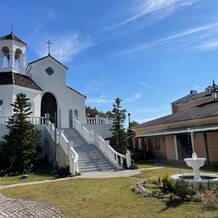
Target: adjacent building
193, 125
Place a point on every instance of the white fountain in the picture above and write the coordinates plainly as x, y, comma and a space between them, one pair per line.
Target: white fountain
196, 163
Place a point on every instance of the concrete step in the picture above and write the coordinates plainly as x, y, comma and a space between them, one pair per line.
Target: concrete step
90, 158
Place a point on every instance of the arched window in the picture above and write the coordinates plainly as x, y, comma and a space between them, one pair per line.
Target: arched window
76, 113
6, 56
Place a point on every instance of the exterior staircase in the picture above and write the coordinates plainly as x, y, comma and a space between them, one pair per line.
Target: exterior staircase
90, 157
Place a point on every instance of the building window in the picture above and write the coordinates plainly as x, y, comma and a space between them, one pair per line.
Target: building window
76, 113
49, 71
157, 144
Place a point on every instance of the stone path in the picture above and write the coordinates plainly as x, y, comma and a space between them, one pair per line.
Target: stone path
16, 208
11, 208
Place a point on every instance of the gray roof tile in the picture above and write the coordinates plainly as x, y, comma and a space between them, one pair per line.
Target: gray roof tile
203, 111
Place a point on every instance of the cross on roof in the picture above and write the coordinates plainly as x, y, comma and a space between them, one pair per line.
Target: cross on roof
12, 28
49, 45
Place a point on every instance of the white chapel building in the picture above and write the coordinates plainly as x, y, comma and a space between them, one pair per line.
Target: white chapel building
70, 138
43, 81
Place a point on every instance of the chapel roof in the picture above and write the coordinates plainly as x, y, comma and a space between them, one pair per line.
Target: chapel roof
11, 78
11, 36
199, 112
40, 59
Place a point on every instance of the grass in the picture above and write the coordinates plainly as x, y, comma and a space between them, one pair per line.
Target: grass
108, 198
8, 180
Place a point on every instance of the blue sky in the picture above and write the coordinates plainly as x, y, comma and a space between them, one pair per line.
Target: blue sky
147, 52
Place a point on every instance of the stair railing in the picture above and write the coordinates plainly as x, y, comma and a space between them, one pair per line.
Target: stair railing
91, 137
73, 159
115, 157
66, 147
83, 131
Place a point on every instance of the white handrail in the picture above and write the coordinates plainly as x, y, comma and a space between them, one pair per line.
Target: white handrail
66, 147
114, 156
83, 131
92, 138
73, 157
97, 120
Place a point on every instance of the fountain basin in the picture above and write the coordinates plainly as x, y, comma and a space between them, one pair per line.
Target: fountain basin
195, 162
205, 178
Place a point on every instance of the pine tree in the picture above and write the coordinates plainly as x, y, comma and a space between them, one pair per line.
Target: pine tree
119, 138
23, 138
130, 133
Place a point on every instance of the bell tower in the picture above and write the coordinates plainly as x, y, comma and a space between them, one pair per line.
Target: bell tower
12, 54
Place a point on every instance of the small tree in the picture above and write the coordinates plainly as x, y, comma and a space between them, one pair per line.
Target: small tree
119, 138
23, 138
130, 133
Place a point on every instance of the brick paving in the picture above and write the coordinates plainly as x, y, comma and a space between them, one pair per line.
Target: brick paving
13, 208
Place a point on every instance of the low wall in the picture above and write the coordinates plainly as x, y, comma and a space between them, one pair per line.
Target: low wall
102, 129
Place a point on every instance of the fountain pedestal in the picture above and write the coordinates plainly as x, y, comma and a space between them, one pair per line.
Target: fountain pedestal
195, 163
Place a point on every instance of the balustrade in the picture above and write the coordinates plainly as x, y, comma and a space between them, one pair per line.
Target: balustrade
66, 147
91, 137
33, 120
97, 120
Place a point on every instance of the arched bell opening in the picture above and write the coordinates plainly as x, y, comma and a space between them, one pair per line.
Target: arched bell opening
5, 57
18, 57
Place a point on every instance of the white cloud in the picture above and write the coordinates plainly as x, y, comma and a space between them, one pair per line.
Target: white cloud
161, 8
197, 37
212, 44
133, 98
144, 84
99, 100
65, 47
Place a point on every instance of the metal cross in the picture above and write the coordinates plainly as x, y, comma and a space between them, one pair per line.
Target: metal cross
12, 28
49, 47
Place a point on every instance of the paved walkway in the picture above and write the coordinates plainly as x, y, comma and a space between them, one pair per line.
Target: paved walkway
16, 208
11, 208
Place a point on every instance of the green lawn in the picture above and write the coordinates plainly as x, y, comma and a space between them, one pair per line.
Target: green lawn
108, 198
8, 180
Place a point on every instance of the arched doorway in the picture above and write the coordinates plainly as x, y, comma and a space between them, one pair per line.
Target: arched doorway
49, 106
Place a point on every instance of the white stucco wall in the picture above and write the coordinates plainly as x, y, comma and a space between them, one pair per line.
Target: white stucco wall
8, 94
67, 99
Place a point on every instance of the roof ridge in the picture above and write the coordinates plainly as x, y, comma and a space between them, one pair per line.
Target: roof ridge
45, 58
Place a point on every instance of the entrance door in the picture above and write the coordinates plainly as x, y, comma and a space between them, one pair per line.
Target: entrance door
184, 146
49, 106
71, 118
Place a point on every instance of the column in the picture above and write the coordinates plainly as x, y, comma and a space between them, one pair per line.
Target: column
12, 58
176, 147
